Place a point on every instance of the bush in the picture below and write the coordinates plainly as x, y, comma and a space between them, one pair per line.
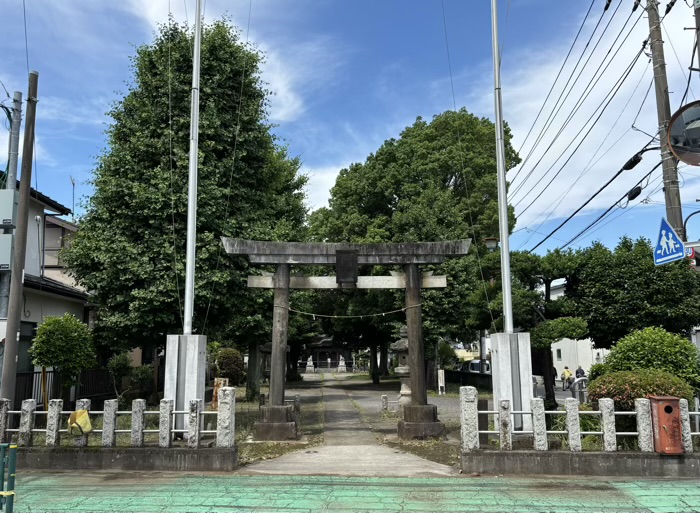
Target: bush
65, 344
597, 370
142, 379
626, 386
119, 366
587, 423
229, 364
656, 348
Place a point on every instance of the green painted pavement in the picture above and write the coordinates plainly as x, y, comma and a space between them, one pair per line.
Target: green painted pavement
156, 492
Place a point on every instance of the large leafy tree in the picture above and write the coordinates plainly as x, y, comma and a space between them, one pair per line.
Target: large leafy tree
619, 291
130, 246
437, 181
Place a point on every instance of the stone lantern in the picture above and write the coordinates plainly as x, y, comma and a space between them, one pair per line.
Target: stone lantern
400, 347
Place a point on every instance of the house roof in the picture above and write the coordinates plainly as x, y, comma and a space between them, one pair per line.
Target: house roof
51, 204
53, 287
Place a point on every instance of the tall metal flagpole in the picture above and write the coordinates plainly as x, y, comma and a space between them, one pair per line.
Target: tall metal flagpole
192, 188
501, 170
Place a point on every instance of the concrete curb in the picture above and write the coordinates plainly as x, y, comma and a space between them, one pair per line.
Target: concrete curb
561, 463
128, 458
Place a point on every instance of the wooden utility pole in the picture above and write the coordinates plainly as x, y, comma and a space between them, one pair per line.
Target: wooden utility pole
674, 212
14, 311
11, 183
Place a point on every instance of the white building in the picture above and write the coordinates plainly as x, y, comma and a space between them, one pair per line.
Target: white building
572, 353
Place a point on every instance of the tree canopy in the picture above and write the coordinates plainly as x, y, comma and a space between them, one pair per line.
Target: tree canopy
437, 181
619, 291
130, 246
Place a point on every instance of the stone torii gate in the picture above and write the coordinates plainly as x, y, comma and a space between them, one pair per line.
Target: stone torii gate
277, 420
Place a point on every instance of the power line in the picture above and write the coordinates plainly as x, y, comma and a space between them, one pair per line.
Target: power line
464, 178
555, 111
589, 89
631, 163
590, 163
673, 48
579, 234
612, 96
556, 79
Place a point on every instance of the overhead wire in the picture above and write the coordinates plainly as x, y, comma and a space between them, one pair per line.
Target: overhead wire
601, 216
233, 163
619, 84
556, 79
564, 96
683, 71
464, 180
590, 163
577, 106
170, 160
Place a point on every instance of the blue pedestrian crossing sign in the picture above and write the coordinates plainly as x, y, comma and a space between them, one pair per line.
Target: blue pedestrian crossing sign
669, 247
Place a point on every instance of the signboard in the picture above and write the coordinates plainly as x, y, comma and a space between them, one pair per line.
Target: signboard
669, 247
441, 381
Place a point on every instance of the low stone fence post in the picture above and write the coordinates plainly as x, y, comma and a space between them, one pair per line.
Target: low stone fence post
138, 406
165, 424
607, 422
53, 423
226, 418
573, 424
109, 423
539, 424
193, 430
646, 437
469, 412
4, 408
505, 421
26, 423
685, 427
82, 404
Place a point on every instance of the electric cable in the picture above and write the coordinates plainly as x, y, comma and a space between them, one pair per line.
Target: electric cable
619, 85
631, 163
556, 79
590, 163
579, 103
673, 48
599, 218
233, 163
464, 178
561, 102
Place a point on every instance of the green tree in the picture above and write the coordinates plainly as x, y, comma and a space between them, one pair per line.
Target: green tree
65, 344
656, 348
130, 246
437, 181
621, 291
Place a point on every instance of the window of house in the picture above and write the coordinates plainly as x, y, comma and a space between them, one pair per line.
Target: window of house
559, 354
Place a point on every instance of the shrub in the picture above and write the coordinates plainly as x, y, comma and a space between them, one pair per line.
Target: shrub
626, 386
229, 364
597, 370
142, 379
65, 344
119, 366
656, 348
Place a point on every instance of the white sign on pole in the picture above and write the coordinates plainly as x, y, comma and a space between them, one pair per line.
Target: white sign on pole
669, 247
441, 381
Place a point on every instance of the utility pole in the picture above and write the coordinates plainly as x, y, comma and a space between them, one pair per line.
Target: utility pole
9, 364
697, 32
674, 212
11, 183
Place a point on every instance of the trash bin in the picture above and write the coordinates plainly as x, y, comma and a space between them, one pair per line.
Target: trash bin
666, 424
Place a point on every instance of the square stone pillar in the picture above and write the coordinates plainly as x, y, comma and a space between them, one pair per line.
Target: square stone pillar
511, 373
185, 367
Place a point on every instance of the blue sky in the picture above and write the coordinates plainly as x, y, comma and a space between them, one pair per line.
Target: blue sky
349, 75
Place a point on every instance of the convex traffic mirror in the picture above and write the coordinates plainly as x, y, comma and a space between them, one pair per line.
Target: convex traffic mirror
684, 134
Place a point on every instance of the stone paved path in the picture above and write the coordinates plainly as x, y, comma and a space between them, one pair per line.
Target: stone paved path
350, 448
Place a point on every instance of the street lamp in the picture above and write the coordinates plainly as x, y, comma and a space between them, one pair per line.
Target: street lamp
491, 243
